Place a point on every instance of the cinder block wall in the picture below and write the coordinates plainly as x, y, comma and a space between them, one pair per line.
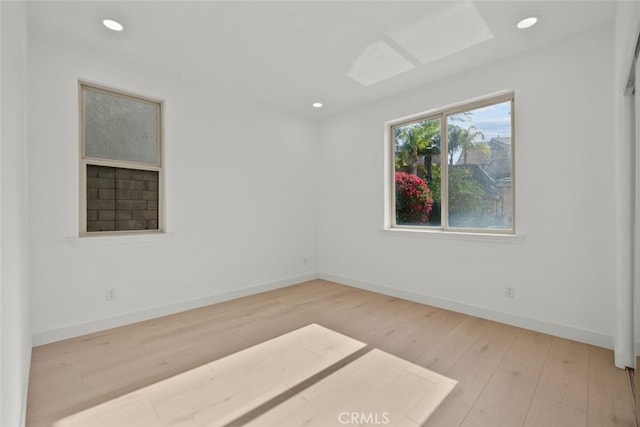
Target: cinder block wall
121, 199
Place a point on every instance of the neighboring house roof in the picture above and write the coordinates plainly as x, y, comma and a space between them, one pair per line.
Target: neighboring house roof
493, 157
501, 141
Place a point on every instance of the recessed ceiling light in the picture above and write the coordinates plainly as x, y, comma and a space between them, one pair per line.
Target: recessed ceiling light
528, 22
112, 25
317, 105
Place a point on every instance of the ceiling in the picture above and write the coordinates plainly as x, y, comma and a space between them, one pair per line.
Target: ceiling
290, 54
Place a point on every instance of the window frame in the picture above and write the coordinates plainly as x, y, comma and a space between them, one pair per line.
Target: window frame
88, 160
442, 114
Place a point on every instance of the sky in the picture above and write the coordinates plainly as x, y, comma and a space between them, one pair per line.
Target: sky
493, 121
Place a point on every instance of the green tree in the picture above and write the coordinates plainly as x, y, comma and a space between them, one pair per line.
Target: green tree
435, 216
415, 140
460, 139
466, 197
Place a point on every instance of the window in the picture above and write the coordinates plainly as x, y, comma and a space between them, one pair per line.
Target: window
121, 162
458, 180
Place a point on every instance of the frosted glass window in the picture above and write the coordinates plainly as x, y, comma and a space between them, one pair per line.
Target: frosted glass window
120, 128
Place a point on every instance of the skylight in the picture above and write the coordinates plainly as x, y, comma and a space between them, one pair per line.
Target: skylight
449, 28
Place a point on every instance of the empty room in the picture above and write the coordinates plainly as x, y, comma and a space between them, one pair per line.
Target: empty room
323, 213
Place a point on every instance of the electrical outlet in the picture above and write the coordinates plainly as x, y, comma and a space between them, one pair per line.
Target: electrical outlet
509, 292
304, 261
110, 294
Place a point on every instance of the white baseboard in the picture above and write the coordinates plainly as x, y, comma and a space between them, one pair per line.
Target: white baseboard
76, 330
559, 330
555, 329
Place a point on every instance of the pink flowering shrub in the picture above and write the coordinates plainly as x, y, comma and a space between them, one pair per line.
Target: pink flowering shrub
414, 200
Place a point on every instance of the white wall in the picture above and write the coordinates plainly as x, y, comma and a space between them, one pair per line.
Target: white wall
564, 271
15, 329
240, 199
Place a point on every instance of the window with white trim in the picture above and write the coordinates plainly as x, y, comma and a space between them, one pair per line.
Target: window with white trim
460, 179
121, 182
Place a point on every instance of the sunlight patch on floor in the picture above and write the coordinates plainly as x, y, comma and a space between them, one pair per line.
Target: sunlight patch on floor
312, 375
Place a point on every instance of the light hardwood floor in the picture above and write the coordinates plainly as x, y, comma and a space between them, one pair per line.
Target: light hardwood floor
506, 376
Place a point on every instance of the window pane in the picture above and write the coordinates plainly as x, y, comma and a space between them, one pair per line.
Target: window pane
119, 128
121, 199
417, 173
479, 168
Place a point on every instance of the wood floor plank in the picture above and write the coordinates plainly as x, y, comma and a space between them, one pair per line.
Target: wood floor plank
610, 403
408, 422
530, 349
443, 354
565, 376
423, 333
170, 359
506, 398
546, 412
431, 401
132, 410
408, 391
473, 371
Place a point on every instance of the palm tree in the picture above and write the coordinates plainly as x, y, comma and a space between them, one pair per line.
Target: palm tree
415, 140
460, 139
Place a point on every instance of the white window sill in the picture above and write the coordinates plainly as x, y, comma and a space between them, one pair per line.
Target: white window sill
457, 235
119, 239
